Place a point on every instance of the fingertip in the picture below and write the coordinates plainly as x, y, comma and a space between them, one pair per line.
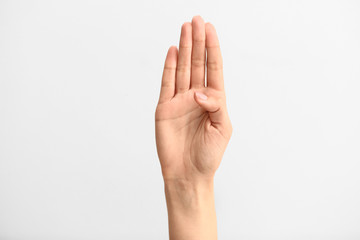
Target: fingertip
172, 52
185, 25
209, 25
171, 57
186, 34
196, 17
210, 29
197, 20
172, 48
200, 96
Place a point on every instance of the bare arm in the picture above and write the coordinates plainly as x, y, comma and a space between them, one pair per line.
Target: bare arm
192, 130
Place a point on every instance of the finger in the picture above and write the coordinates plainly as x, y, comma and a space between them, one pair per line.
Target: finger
168, 79
215, 77
184, 59
214, 103
198, 57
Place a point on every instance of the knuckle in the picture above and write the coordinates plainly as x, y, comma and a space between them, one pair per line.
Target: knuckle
198, 62
215, 46
169, 68
166, 84
215, 65
183, 70
183, 46
181, 89
199, 42
183, 67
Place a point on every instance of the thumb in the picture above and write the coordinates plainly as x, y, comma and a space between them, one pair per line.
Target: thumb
213, 103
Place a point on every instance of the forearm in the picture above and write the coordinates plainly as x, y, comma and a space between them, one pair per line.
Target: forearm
191, 209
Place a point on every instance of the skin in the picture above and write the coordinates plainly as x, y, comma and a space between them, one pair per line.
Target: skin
192, 129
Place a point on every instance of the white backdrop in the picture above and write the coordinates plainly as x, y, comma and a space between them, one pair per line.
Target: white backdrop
79, 82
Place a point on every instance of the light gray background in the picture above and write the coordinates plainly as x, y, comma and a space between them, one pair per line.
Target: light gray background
79, 82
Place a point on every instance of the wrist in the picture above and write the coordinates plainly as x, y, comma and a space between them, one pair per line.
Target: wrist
191, 209
189, 195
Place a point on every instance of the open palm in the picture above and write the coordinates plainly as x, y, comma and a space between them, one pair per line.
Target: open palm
191, 120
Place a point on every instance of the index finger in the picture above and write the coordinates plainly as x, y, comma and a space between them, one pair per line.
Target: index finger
214, 63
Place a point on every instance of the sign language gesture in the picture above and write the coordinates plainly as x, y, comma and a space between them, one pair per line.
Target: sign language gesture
191, 119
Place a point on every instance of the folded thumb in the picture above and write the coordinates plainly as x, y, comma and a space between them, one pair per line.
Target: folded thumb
211, 105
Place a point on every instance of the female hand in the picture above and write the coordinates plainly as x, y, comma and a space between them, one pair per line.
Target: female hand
191, 121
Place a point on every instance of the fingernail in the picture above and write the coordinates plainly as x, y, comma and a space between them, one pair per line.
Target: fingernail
201, 96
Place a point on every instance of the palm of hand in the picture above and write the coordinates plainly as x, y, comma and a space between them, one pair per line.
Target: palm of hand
192, 133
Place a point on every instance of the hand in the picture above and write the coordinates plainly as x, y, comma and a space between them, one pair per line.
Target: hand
191, 120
